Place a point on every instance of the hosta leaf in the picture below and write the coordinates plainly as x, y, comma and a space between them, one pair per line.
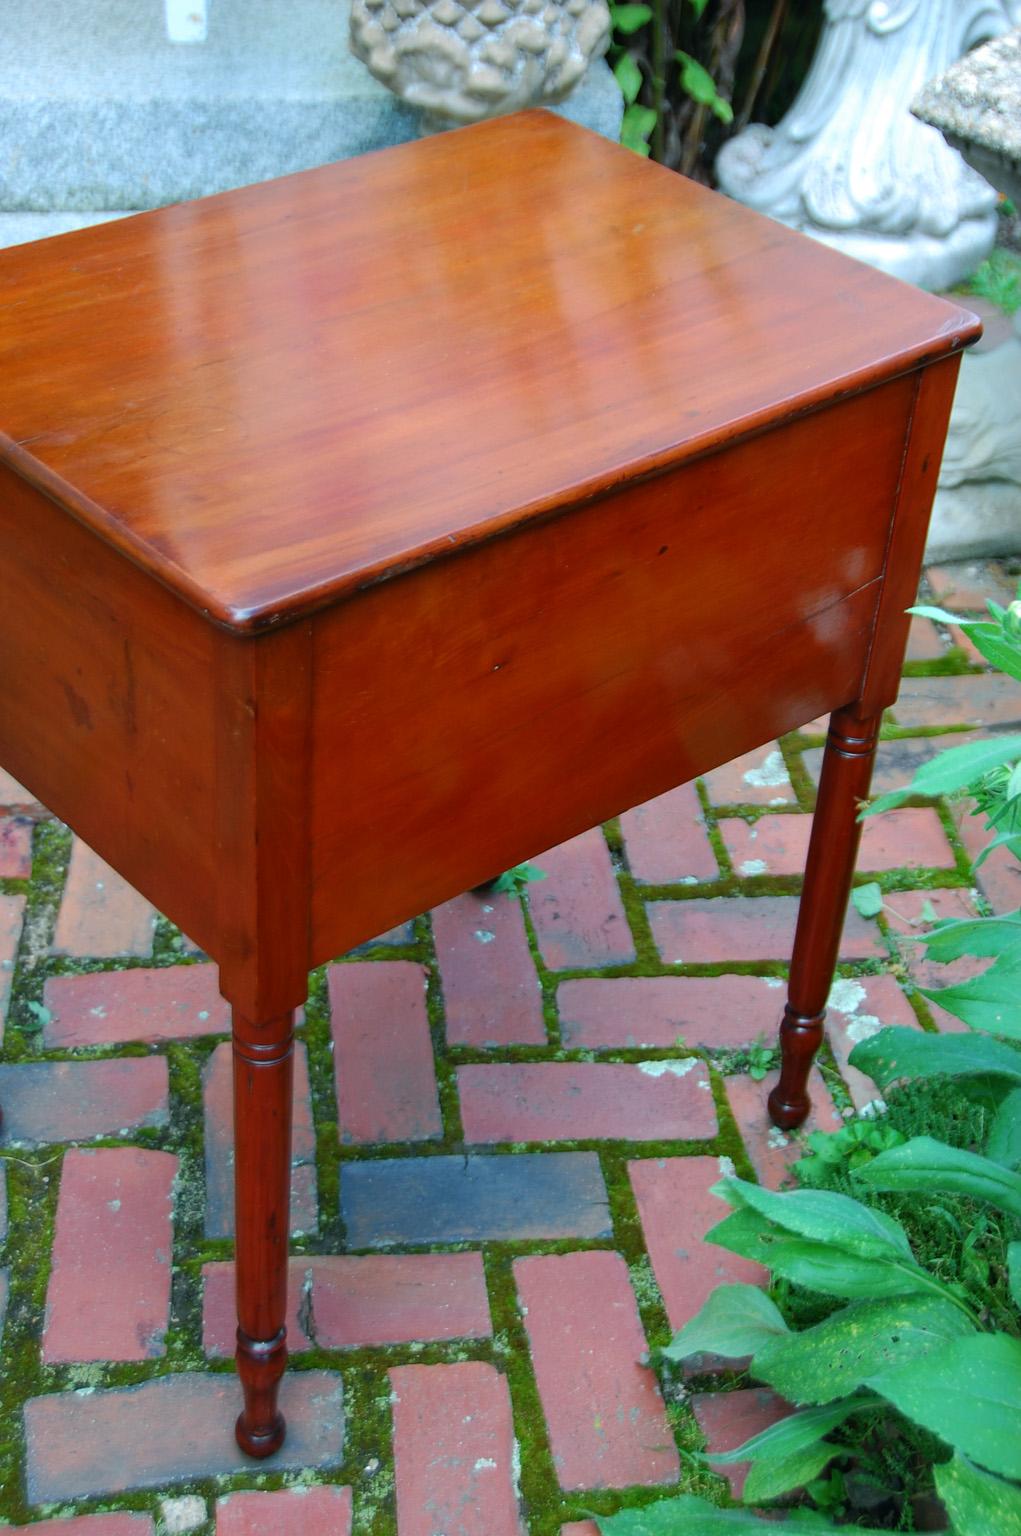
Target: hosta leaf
853, 1346
977, 1503
926, 1165
899, 1052
968, 1392
822, 1216
982, 936
688, 1515
990, 1002
1003, 1143
796, 1432
953, 769
772, 1476
735, 1321
821, 1266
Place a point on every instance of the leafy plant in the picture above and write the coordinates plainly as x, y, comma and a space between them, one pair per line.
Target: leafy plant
513, 882
998, 279
909, 1350
674, 61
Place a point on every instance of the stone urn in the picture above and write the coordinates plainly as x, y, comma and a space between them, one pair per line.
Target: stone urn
850, 165
463, 60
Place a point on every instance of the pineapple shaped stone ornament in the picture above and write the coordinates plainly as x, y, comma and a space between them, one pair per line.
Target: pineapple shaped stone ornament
463, 60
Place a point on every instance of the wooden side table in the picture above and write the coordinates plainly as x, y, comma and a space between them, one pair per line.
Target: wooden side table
364, 531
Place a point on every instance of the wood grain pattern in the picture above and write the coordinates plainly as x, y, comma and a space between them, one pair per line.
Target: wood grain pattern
278, 395
485, 707
107, 710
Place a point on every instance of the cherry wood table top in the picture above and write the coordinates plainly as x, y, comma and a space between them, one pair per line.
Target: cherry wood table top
274, 397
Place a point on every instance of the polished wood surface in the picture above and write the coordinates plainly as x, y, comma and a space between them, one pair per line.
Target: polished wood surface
369, 531
277, 395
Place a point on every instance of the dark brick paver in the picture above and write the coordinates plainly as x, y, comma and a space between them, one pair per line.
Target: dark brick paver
509, 1118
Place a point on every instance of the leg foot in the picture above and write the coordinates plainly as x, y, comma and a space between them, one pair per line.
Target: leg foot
261, 1427
800, 1038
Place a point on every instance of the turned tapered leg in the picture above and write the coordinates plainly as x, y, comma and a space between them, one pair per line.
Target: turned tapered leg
832, 851
263, 1072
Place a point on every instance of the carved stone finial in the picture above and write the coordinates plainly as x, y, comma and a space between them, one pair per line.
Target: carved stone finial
463, 60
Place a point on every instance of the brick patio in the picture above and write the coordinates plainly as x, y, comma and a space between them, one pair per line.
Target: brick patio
508, 1119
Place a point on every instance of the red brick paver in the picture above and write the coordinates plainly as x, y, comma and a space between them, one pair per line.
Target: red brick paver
12, 909
363, 1302
778, 845
666, 839
567, 1101
302, 1511
677, 1209
15, 848
491, 994
178, 1002
989, 699
386, 1082
716, 1012
755, 778
741, 928
96, 1525
109, 1290
577, 910
101, 914
454, 1451
607, 1425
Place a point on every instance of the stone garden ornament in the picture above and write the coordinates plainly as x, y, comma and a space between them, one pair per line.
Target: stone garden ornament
463, 60
851, 166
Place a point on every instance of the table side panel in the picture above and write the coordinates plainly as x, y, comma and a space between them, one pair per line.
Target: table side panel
470, 714
106, 704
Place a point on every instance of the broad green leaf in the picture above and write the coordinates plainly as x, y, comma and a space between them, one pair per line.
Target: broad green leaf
1014, 1272
796, 1432
822, 1216
926, 611
772, 1476
977, 1503
900, 1052
968, 1392
953, 769
628, 77
628, 18
852, 1347
868, 899
688, 1515
1003, 1144
819, 1266
980, 936
735, 1321
928, 1166
990, 1002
